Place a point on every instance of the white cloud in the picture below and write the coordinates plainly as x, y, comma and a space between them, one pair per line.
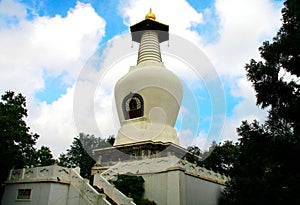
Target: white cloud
188, 138
245, 110
53, 45
243, 27
54, 123
11, 9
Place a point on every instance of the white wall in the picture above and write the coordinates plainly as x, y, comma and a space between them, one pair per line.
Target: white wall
40, 194
198, 191
176, 187
155, 187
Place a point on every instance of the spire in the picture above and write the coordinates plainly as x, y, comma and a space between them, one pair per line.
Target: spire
149, 33
150, 15
149, 48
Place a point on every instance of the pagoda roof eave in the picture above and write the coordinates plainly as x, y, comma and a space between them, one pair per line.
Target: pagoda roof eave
149, 24
146, 25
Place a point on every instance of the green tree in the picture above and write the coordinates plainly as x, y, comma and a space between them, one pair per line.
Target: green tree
266, 169
17, 143
80, 153
194, 150
44, 157
131, 185
196, 154
247, 185
111, 140
221, 157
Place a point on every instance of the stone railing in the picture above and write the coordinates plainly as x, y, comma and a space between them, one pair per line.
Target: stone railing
111, 191
84, 186
201, 172
59, 174
153, 165
110, 174
53, 173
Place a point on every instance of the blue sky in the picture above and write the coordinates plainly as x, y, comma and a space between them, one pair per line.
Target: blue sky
45, 45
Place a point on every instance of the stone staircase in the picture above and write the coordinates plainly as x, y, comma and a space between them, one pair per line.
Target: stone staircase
101, 181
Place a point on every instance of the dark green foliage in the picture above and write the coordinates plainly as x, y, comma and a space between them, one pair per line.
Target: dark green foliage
80, 153
132, 186
195, 150
196, 154
283, 54
17, 145
266, 169
249, 168
111, 140
221, 157
43, 157
146, 202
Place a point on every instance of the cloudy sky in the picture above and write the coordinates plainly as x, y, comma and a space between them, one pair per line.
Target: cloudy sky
65, 57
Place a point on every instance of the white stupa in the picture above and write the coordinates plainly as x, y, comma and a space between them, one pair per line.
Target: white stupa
148, 97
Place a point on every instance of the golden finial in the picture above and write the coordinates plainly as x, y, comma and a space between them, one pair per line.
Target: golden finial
150, 15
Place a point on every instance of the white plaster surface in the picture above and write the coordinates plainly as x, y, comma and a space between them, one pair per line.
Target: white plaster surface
171, 181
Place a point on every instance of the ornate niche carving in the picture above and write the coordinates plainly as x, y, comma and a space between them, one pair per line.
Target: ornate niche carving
133, 106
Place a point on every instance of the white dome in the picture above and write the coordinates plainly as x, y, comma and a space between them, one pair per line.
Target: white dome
161, 93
